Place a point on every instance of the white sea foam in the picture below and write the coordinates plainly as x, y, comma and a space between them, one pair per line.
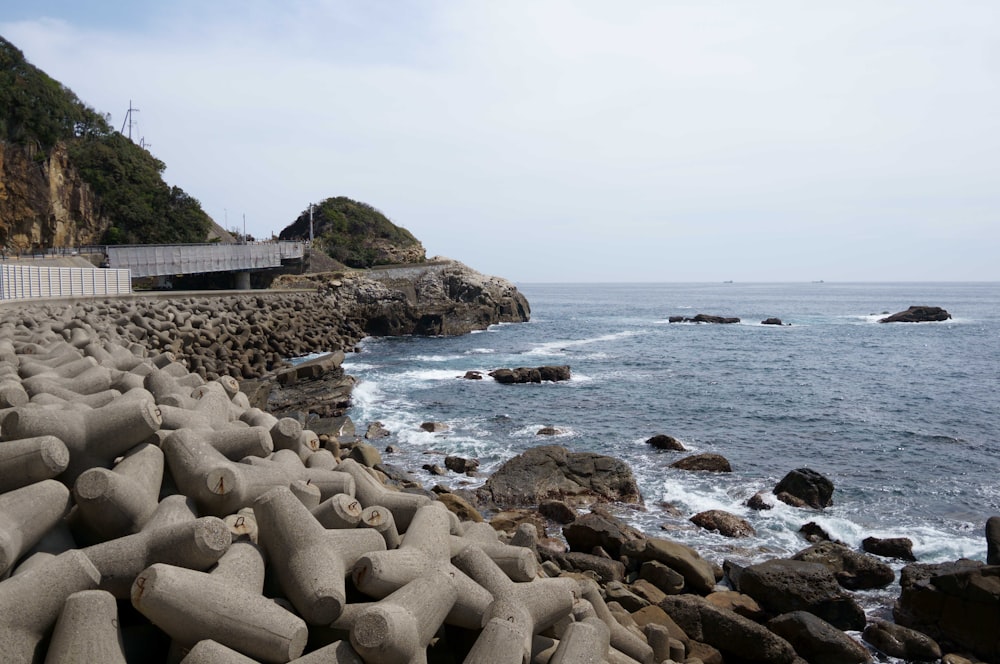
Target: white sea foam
480, 351
436, 358
557, 348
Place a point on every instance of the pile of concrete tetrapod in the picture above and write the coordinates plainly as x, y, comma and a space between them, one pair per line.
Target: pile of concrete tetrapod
148, 515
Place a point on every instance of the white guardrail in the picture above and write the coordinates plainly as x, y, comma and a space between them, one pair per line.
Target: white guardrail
23, 282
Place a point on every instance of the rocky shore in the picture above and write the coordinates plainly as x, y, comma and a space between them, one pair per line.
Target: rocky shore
153, 508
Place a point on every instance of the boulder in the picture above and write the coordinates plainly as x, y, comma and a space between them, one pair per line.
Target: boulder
917, 314
557, 510
458, 464
901, 642
813, 532
852, 569
993, 540
434, 427
599, 528
782, 586
817, 641
723, 523
732, 634
698, 573
604, 569
704, 318
771, 321
548, 431
460, 506
715, 463
473, 375
663, 577
375, 431
662, 441
956, 604
531, 375
553, 472
742, 604
807, 485
900, 548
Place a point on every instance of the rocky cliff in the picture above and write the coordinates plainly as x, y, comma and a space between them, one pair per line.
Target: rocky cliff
44, 202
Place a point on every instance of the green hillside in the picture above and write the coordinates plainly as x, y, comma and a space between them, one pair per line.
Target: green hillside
39, 113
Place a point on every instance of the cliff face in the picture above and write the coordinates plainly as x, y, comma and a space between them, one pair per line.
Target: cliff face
44, 203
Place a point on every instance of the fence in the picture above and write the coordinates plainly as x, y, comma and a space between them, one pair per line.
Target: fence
166, 260
21, 282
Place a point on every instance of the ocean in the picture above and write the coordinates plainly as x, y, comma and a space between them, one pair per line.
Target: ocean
903, 418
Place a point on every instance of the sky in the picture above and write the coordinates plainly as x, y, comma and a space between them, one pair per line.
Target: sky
571, 140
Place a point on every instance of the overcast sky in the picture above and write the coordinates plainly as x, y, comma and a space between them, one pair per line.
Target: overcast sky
583, 140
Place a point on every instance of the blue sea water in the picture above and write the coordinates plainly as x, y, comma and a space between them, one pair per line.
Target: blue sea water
903, 418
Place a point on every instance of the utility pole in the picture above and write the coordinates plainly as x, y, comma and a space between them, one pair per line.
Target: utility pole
244, 228
311, 206
128, 119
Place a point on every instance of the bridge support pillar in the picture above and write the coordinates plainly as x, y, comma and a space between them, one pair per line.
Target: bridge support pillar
242, 280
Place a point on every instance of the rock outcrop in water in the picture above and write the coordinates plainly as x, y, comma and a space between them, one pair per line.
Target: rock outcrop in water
918, 314
705, 318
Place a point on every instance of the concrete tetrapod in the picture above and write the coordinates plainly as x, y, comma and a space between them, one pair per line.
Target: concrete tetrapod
193, 606
213, 652
380, 518
424, 550
369, 491
222, 487
517, 562
120, 501
621, 638
311, 561
94, 437
26, 514
87, 631
338, 652
196, 544
585, 642
530, 607
340, 511
329, 482
397, 629
30, 602
30, 460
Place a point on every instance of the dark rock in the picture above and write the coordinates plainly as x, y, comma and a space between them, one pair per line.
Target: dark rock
553, 472
548, 431
957, 604
473, 375
531, 375
901, 642
599, 528
890, 547
807, 485
771, 321
715, 463
664, 442
757, 502
853, 570
789, 499
434, 469
732, 634
746, 606
993, 540
616, 591
434, 427
917, 314
605, 569
665, 578
724, 523
813, 532
698, 573
817, 641
704, 318
459, 464
781, 586
557, 510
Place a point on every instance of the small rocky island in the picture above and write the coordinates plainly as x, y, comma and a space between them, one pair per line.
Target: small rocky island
918, 314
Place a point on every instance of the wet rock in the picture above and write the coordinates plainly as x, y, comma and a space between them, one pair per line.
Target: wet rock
817, 641
993, 540
729, 632
434, 427
917, 314
599, 528
782, 586
459, 464
376, 430
758, 502
662, 441
714, 463
723, 523
473, 375
553, 472
900, 548
902, 642
808, 486
771, 321
531, 375
549, 431
813, 532
853, 570
704, 318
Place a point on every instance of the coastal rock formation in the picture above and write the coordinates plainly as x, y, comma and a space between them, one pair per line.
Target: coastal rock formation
723, 523
956, 603
531, 375
853, 570
917, 314
890, 547
807, 486
553, 472
662, 441
817, 641
771, 321
707, 461
705, 318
